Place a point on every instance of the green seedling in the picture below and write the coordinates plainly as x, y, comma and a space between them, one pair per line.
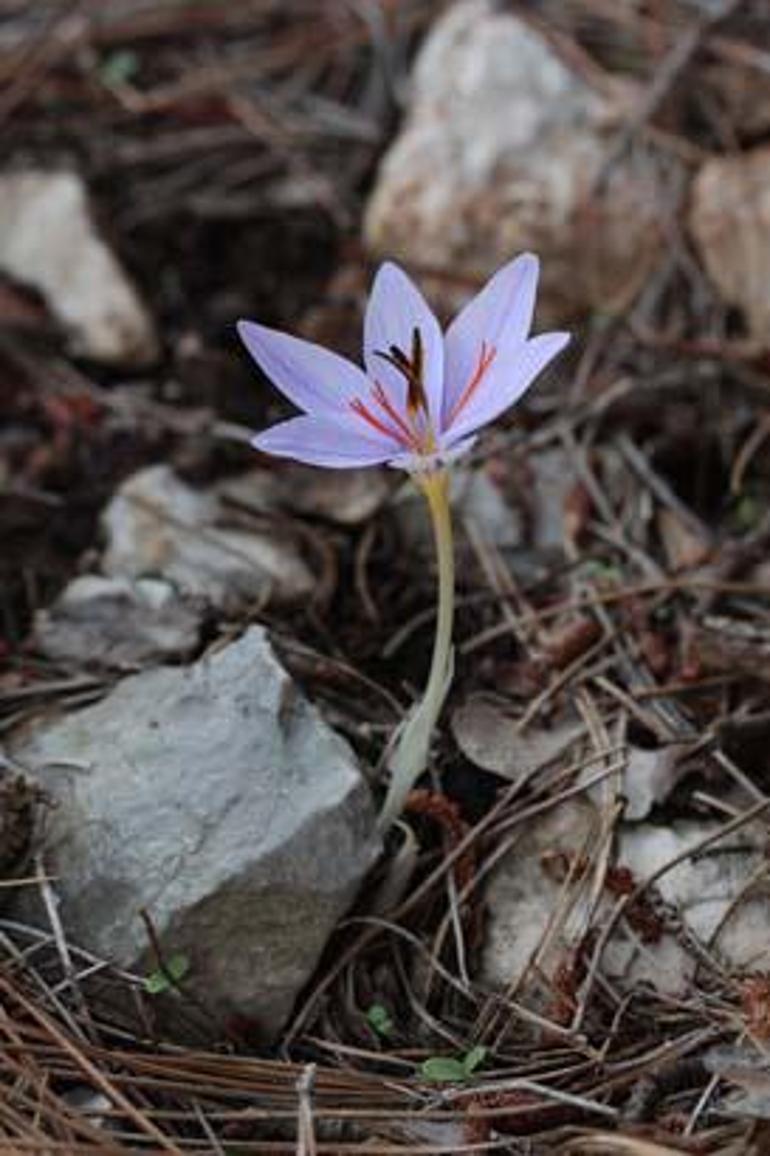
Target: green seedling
163, 978
446, 1070
379, 1020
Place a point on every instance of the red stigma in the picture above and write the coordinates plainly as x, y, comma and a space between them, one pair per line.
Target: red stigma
486, 357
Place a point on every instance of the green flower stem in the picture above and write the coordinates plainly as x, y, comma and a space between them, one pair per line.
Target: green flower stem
410, 754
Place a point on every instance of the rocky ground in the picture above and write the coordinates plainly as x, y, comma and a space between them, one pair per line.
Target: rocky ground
205, 944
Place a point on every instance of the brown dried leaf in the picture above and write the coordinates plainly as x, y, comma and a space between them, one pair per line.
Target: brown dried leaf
578, 508
755, 999
720, 644
488, 737
571, 641
684, 549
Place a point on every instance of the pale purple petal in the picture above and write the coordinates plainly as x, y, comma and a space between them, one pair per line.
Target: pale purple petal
508, 377
320, 442
395, 309
500, 314
313, 378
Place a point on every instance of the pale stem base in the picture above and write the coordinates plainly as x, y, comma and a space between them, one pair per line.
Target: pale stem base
412, 748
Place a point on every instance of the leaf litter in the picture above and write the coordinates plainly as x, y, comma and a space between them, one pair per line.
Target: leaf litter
613, 662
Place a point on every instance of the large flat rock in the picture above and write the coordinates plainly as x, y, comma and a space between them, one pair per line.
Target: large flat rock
215, 797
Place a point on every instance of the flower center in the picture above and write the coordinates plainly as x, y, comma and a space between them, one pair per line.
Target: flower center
412, 368
412, 429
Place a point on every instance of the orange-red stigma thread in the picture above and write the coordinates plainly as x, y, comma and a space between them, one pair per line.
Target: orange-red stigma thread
379, 395
486, 357
358, 407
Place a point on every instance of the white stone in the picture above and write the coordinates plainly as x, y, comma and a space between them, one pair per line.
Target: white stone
524, 895
646, 777
215, 797
535, 919
498, 153
48, 241
158, 525
709, 887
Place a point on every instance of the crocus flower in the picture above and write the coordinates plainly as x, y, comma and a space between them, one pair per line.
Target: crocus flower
423, 394
418, 404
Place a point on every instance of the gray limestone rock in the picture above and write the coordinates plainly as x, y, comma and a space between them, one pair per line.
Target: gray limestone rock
157, 525
215, 797
118, 623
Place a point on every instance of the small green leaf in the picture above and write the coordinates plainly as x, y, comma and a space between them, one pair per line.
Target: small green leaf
474, 1059
119, 67
602, 571
156, 982
379, 1020
747, 512
444, 1070
163, 978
